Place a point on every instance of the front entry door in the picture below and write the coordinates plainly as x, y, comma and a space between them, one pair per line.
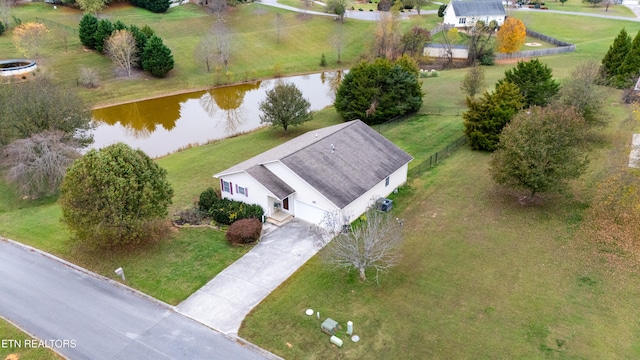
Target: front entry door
285, 204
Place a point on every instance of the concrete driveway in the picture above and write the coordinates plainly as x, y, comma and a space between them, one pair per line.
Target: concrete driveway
224, 301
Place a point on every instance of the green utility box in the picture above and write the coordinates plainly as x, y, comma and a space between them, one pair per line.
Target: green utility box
330, 326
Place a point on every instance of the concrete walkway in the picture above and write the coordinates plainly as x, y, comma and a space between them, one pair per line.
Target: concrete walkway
224, 301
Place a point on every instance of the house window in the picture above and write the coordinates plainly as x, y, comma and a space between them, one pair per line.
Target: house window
241, 190
462, 21
386, 181
225, 186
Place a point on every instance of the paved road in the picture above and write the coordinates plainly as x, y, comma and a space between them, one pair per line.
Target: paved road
225, 301
52, 300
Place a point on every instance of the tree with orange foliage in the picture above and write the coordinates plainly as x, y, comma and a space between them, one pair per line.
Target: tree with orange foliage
511, 36
28, 38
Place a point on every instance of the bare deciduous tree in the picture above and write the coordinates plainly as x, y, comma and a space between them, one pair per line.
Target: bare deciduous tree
88, 77
223, 43
480, 43
581, 91
387, 37
121, 47
448, 38
206, 51
337, 40
37, 164
217, 7
473, 82
373, 243
279, 25
28, 38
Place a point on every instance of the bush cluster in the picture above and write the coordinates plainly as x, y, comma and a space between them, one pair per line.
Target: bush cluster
207, 199
153, 55
245, 231
225, 211
156, 6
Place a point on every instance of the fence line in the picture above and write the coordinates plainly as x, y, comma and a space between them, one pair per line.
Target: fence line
443, 110
440, 28
438, 157
393, 122
563, 47
52, 24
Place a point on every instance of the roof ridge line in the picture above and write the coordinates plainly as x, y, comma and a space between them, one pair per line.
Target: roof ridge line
349, 123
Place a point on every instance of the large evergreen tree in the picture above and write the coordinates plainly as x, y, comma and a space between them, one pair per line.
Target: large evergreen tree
630, 68
87, 29
158, 59
103, 31
379, 91
535, 81
488, 115
141, 41
616, 54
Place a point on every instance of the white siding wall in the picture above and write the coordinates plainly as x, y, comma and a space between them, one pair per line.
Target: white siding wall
442, 52
449, 16
361, 204
257, 194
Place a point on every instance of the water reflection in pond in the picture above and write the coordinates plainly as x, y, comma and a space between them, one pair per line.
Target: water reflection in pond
164, 125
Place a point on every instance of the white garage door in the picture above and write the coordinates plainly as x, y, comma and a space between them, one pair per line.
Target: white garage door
309, 213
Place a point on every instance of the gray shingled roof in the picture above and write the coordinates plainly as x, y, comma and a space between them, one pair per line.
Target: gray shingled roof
342, 161
269, 180
478, 7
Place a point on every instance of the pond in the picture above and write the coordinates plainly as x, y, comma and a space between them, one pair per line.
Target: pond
164, 125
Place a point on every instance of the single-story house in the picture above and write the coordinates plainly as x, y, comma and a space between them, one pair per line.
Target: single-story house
341, 169
464, 13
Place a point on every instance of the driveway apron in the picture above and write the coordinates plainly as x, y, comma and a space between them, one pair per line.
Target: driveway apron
224, 301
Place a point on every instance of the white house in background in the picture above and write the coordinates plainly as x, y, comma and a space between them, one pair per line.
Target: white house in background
339, 169
463, 13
